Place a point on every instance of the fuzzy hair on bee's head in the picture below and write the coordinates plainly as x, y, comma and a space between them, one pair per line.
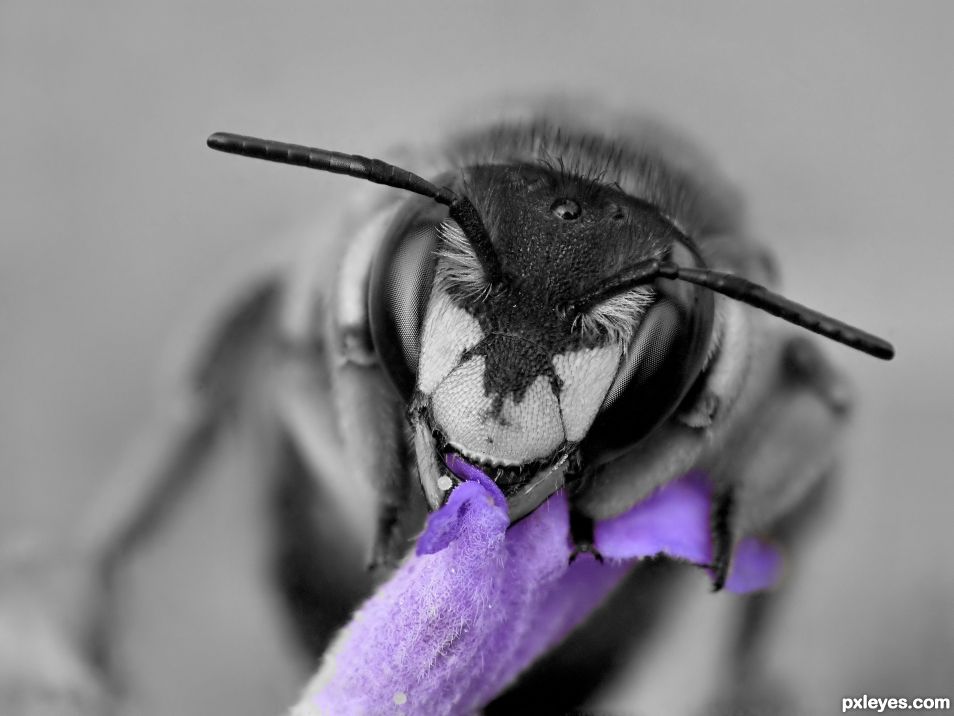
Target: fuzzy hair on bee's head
642, 158
557, 234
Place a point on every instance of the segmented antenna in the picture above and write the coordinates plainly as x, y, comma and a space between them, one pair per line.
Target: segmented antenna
465, 214
460, 208
760, 297
747, 292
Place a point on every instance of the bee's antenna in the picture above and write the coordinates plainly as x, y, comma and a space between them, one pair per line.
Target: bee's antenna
747, 292
760, 297
335, 162
374, 170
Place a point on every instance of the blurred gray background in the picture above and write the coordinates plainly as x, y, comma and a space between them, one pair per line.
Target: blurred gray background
835, 120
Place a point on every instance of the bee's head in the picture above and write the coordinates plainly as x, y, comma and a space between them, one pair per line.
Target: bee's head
537, 359
537, 322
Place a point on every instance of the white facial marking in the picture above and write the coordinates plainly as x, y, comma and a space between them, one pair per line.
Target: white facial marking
587, 375
522, 432
448, 332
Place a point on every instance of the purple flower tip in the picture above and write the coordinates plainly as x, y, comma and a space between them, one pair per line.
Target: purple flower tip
471, 498
469, 472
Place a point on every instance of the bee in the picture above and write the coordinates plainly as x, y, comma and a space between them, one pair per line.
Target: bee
554, 306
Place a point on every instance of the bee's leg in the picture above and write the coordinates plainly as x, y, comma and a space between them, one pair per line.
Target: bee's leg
152, 478
340, 475
773, 455
370, 417
56, 597
776, 462
581, 532
317, 563
748, 647
357, 457
748, 685
582, 525
373, 426
722, 526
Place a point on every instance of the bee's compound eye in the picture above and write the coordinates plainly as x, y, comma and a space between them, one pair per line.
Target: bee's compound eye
566, 209
401, 281
662, 364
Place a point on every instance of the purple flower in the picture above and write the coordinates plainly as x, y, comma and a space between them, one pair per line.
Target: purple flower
478, 602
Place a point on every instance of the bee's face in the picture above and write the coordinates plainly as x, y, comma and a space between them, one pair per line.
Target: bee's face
507, 397
511, 378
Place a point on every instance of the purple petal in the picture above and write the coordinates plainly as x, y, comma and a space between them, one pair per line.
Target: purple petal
573, 597
444, 525
673, 520
421, 636
468, 471
756, 565
537, 556
478, 603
